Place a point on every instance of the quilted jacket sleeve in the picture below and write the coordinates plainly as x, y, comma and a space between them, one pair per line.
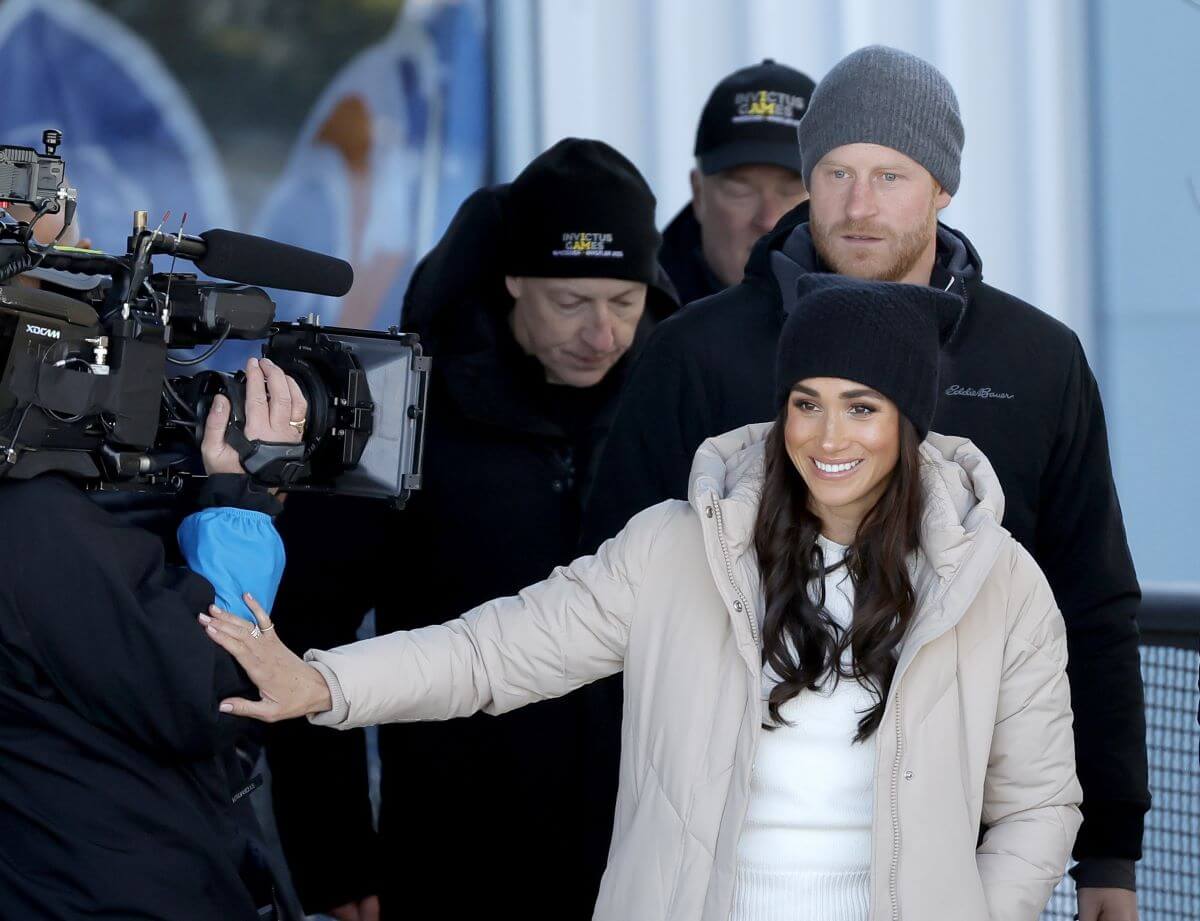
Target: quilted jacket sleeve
550, 639
1031, 794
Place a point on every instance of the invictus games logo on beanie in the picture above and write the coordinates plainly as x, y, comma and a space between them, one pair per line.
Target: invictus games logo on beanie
768, 106
581, 210
592, 245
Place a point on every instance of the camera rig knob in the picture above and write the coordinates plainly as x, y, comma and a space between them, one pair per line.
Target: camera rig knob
51, 139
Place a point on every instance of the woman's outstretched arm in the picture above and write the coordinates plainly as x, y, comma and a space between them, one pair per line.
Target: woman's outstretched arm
548, 640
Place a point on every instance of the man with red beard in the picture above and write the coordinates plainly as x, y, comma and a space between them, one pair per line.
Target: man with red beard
880, 148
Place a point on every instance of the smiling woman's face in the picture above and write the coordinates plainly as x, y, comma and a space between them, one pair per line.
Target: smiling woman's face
844, 439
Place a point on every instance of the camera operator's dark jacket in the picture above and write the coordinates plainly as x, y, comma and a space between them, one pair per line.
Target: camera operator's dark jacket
507, 459
1013, 380
117, 773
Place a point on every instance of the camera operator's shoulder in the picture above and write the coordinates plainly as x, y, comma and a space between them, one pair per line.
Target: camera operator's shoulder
27, 501
41, 517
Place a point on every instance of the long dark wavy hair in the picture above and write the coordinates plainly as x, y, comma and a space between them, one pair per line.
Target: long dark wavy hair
801, 642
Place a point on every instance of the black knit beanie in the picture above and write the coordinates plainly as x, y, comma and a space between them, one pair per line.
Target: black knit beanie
581, 210
885, 335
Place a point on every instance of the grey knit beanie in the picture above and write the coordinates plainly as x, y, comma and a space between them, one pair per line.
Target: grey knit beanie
881, 95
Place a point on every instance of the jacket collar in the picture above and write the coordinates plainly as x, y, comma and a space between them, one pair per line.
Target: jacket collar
787, 252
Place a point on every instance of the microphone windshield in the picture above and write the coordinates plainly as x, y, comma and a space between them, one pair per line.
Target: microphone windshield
253, 260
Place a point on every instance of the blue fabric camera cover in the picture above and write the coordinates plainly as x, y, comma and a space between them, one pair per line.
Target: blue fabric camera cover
238, 551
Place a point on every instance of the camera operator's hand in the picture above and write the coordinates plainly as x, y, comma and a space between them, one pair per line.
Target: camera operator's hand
289, 686
275, 411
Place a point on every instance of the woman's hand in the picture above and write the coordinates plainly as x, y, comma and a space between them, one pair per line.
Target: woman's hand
289, 686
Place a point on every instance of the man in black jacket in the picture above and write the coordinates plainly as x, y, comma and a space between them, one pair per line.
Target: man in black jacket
881, 144
746, 177
531, 305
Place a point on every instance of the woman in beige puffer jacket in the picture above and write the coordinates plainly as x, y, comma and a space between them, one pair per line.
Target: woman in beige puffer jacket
976, 723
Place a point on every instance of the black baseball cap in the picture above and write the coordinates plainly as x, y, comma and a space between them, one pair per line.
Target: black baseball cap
752, 116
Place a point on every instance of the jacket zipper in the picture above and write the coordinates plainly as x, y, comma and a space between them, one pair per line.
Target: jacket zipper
715, 509
896, 815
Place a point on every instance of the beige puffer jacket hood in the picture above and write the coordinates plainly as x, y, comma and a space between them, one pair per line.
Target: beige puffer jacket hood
976, 730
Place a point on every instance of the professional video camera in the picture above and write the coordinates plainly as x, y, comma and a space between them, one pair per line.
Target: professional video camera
84, 387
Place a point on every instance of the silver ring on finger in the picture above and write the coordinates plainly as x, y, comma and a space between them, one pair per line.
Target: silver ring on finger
268, 628
255, 633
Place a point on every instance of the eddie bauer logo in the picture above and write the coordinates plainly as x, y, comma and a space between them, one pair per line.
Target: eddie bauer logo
768, 106
984, 393
593, 245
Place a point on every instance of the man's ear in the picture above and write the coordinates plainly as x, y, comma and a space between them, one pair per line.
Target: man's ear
513, 284
941, 197
695, 178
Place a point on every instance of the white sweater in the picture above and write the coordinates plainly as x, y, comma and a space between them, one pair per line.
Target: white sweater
805, 849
